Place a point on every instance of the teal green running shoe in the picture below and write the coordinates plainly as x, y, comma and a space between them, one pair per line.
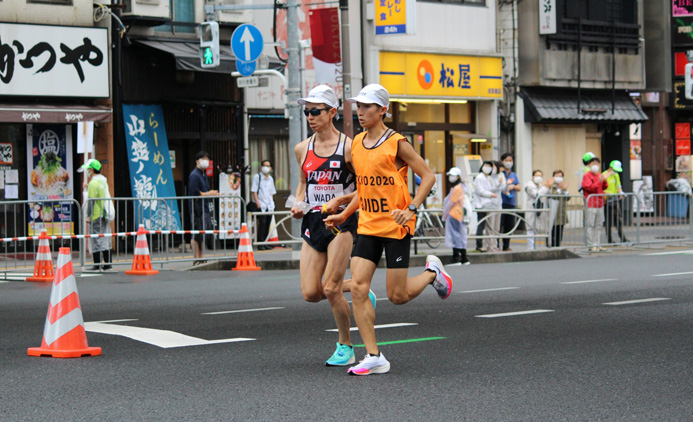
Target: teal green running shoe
342, 356
372, 297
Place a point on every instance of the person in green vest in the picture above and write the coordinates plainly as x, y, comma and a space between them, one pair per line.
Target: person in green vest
614, 216
97, 215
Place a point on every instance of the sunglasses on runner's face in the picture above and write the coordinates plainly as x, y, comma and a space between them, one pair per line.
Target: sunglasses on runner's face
314, 112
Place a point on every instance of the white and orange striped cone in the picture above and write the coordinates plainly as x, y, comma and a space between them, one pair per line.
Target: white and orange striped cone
142, 263
64, 335
246, 259
43, 268
273, 235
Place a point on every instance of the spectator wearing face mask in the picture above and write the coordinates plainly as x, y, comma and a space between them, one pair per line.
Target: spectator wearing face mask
453, 216
558, 187
509, 197
535, 190
487, 191
263, 190
594, 183
200, 209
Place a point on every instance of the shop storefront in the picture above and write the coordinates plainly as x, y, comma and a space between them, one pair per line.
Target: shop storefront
51, 80
446, 105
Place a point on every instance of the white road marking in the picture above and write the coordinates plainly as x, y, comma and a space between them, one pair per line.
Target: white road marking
22, 276
241, 310
489, 290
161, 338
630, 302
671, 274
589, 281
688, 252
401, 324
507, 314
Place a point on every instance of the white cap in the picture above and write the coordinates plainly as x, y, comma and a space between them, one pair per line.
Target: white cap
454, 172
321, 94
373, 94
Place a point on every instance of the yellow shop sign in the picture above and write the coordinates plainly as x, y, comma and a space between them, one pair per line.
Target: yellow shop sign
439, 76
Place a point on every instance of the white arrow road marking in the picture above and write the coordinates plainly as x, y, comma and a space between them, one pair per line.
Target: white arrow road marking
161, 338
507, 314
242, 310
401, 324
630, 302
246, 39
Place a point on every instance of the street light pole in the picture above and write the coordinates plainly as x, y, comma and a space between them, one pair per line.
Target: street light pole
346, 70
292, 92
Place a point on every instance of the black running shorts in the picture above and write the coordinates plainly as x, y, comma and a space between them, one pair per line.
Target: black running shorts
314, 232
371, 248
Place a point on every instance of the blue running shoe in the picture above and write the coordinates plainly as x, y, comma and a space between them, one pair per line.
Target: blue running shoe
342, 356
371, 296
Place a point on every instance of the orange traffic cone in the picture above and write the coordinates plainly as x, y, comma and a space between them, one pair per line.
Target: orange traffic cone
64, 335
43, 268
273, 235
246, 259
142, 263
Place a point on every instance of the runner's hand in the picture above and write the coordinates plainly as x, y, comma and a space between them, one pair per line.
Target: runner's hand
331, 207
402, 216
334, 220
297, 213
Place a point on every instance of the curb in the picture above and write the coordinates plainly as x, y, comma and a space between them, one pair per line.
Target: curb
414, 261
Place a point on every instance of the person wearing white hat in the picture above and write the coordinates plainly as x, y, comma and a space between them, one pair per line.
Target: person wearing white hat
325, 160
381, 158
453, 216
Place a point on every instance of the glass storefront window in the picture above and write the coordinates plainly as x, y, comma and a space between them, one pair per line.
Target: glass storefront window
435, 150
460, 113
461, 145
422, 113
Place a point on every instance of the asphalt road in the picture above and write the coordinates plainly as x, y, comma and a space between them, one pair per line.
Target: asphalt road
583, 355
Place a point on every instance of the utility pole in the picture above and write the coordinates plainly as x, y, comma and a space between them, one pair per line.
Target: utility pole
292, 92
346, 70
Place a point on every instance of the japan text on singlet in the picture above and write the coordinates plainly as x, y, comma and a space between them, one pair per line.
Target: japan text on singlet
382, 187
326, 177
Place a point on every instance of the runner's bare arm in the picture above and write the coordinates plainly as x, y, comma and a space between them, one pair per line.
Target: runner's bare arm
335, 220
300, 151
406, 153
347, 154
332, 206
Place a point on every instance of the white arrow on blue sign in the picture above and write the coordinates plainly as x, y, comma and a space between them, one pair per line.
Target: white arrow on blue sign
247, 43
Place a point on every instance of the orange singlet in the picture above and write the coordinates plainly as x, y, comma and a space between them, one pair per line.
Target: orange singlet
381, 186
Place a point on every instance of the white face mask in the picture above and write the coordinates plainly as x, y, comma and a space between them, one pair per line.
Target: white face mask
265, 170
204, 164
595, 168
494, 171
486, 169
508, 164
538, 180
558, 179
453, 178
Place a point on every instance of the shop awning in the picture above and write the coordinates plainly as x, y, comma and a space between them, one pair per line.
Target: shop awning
39, 113
555, 105
187, 55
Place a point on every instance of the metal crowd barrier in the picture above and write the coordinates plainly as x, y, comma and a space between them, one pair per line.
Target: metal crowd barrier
20, 230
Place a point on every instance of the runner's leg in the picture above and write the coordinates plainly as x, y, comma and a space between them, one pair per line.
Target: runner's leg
312, 268
401, 289
362, 271
338, 253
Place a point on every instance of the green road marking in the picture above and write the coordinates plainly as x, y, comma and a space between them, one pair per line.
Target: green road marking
411, 340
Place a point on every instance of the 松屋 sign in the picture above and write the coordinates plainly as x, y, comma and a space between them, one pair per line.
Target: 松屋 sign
53, 61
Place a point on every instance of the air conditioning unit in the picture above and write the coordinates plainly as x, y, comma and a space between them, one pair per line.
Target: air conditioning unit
232, 16
147, 12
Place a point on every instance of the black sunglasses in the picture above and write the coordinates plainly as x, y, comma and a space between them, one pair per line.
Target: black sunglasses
314, 112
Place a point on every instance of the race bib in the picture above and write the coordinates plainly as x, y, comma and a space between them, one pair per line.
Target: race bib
321, 194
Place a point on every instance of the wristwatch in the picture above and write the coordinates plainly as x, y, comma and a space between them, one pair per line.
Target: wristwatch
412, 208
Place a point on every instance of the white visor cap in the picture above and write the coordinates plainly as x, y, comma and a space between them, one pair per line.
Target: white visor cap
372, 94
321, 94
455, 171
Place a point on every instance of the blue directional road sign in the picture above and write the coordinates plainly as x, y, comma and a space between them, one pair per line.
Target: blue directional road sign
247, 43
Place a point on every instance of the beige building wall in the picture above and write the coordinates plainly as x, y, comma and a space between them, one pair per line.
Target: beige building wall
561, 147
74, 13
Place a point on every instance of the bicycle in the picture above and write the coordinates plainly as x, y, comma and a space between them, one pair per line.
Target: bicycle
429, 227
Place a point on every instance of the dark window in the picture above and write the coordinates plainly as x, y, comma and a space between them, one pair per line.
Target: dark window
59, 2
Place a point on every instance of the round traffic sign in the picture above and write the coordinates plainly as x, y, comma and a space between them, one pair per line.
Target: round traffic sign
247, 43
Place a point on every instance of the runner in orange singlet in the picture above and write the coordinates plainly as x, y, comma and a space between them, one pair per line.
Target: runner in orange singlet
386, 220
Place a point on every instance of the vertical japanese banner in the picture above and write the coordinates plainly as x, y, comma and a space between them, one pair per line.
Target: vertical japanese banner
229, 208
150, 167
324, 34
49, 174
547, 17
